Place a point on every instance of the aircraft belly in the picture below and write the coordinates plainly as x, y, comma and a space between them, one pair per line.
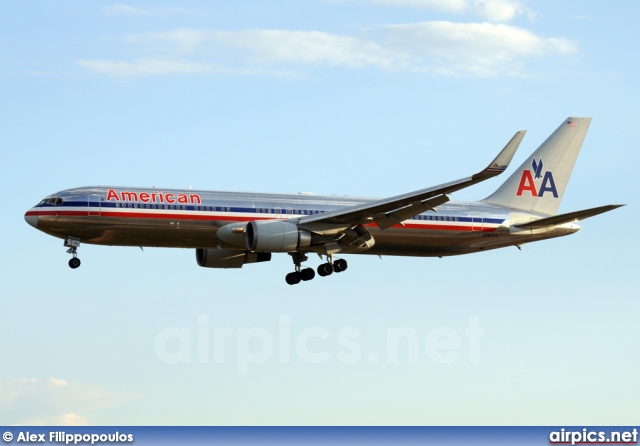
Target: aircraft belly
432, 243
135, 232
421, 243
197, 233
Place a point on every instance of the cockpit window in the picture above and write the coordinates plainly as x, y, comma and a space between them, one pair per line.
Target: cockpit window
52, 201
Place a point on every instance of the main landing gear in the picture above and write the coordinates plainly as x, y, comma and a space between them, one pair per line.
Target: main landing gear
73, 244
299, 274
325, 269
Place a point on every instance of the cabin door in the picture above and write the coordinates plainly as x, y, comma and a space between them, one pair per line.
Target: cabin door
94, 205
477, 222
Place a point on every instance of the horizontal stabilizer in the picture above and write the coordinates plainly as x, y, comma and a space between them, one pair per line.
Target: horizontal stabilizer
566, 218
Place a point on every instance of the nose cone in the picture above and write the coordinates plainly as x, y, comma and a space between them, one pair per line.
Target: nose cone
31, 219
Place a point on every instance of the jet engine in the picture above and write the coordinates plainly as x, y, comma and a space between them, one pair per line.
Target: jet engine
279, 236
226, 258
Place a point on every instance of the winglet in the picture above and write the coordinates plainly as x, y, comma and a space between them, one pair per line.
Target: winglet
501, 162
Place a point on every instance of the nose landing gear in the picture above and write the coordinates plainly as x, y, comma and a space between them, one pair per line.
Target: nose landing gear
73, 244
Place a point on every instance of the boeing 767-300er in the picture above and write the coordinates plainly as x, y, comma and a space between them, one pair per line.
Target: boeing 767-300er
229, 229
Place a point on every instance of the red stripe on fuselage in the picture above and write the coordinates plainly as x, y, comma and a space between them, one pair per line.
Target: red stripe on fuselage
217, 217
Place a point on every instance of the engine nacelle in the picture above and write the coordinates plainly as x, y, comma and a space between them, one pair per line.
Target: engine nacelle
280, 236
226, 258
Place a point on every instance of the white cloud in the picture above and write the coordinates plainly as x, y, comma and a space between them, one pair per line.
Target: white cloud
49, 401
311, 47
475, 49
482, 49
247, 52
276, 46
491, 10
145, 67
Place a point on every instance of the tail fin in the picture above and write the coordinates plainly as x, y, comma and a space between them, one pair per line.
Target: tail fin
539, 183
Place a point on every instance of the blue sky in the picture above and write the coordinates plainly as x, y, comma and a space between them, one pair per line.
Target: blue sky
358, 97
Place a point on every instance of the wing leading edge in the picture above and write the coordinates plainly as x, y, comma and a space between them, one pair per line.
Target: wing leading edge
394, 210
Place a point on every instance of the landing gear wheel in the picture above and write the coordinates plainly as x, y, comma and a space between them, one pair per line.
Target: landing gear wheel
293, 278
74, 263
340, 265
325, 269
307, 274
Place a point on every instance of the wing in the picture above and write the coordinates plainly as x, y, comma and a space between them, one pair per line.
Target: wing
390, 211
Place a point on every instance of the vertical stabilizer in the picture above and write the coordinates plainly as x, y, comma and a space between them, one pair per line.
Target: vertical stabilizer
539, 183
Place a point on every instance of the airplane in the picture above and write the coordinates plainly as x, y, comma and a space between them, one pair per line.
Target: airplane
231, 229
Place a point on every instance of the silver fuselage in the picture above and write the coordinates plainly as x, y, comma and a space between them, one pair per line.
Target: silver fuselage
125, 216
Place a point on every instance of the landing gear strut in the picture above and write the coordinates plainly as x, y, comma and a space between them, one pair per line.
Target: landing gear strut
73, 244
306, 274
299, 274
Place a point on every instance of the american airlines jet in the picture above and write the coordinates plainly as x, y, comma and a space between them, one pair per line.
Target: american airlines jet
230, 229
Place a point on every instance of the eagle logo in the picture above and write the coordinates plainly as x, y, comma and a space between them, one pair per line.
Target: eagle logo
537, 168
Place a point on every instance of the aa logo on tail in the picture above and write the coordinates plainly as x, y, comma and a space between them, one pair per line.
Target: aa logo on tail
528, 184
